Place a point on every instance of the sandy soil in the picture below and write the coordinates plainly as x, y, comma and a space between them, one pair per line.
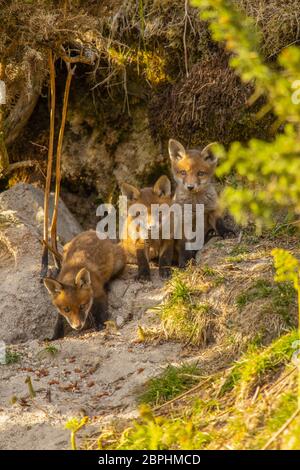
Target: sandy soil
98, 374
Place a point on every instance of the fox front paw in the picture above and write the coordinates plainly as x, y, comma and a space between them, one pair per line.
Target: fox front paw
53, 338
227, 233
143, 276
99, 326
186, 258
224, 231
165, 272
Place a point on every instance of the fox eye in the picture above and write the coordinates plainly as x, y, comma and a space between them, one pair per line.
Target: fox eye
201, 173
67, 309
183, 172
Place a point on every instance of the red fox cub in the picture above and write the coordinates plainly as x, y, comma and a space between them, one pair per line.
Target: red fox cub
88, 263
193, 171
141, 249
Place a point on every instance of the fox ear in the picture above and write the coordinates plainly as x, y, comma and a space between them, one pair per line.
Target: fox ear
176, 150
83, 278
54, 287
131, 192
162, 186
207, 154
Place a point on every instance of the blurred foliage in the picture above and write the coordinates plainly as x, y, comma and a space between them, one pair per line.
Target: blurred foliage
159, 433
268, 169
287, 267
251, 370
74, 425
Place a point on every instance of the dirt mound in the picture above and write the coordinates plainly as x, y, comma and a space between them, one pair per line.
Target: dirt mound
92, 374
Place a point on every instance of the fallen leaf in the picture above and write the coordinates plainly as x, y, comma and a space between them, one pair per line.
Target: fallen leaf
70, 387
53, 382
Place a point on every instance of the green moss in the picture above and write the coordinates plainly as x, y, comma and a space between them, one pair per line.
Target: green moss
209, 272
171, 383
238, 254
259, 290
282, 297
239, 250
12, 357
256, 363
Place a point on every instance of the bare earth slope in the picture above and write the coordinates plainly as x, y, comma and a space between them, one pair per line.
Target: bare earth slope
94, 374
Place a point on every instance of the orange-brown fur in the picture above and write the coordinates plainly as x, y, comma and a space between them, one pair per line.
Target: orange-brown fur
143, 250
88, 263
193, 172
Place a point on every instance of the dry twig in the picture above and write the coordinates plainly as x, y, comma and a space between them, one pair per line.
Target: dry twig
53, 229
49, 164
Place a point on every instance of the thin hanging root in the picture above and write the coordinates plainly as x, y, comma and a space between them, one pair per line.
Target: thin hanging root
44, 267
21, 165
4, 160
56, 254
186, 17
53, 230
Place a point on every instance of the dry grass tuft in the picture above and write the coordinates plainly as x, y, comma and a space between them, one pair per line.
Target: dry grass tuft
210, 102
278, 20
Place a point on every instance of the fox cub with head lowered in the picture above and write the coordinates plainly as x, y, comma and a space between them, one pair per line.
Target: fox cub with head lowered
88, 263
193, 170
142, 249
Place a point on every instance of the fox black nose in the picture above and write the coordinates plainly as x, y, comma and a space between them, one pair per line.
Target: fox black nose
190, 187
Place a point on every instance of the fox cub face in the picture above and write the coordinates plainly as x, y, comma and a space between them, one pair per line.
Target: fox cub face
159, 194
72, 301
192, 169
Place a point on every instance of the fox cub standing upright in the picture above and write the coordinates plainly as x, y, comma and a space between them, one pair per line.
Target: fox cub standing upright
88, 263
193, 171
143, 250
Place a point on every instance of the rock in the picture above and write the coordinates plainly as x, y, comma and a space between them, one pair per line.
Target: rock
27, 204
120, 321
26, 311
